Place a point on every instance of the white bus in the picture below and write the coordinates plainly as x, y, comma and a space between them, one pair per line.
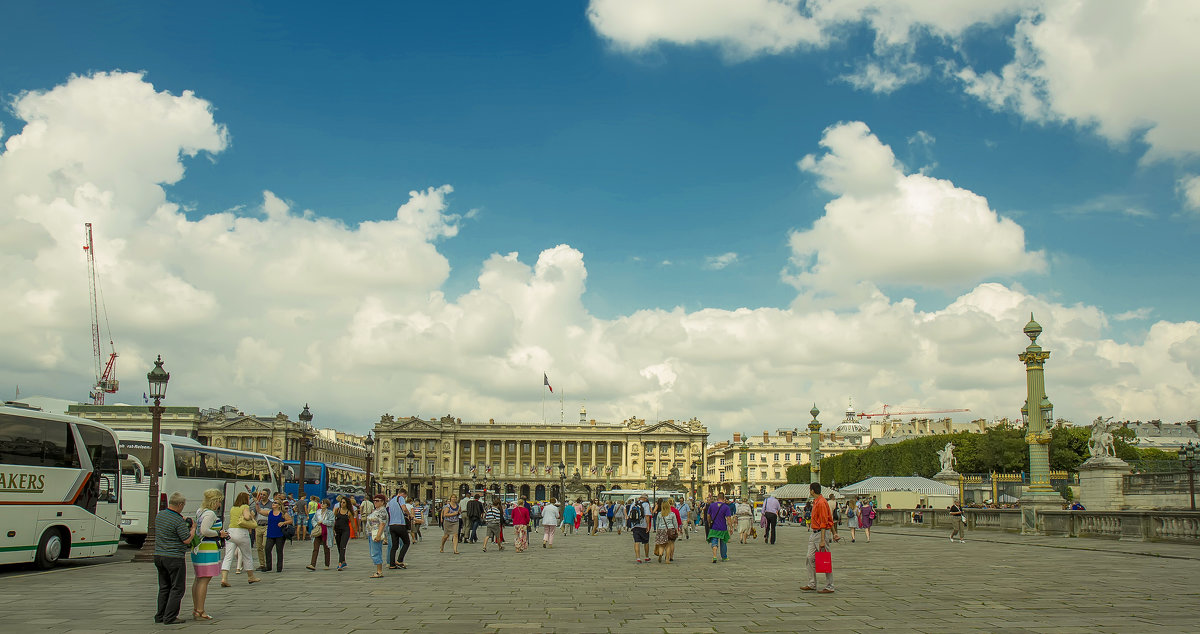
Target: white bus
59, 490
190, 468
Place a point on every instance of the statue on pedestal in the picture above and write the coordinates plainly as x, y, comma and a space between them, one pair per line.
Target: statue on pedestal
1100, 445
946, 456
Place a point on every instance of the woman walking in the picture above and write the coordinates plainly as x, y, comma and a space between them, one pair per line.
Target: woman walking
450, 519
866, 516
277, 519
520, 518
618, 516
206, 557
745, 519
852, 511
343, 529
377, 534
549, 523
418, 511
241, 524
668, 531
568, 519
322, 533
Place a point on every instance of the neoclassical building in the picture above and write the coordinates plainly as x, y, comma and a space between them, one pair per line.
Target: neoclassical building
228, 427
452, 456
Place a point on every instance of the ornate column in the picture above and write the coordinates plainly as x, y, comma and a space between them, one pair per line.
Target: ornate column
814, 446
1038, 412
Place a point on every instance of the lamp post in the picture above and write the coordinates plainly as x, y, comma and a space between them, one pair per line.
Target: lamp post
695, 466
157, 378
1036, 412
654, 487
562, 480
745, 468
305, 444
408, 458
370, 443
814, 446
1187, 456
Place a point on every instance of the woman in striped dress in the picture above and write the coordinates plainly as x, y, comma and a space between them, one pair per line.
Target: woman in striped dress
206, 558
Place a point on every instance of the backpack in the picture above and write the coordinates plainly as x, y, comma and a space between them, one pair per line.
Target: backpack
636, 513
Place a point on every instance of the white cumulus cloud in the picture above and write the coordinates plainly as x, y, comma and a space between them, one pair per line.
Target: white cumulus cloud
718, 262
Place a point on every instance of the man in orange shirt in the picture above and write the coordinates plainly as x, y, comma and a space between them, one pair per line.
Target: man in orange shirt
822, 520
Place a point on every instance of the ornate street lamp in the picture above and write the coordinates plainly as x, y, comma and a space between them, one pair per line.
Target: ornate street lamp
654, 487
370, 443
157, 378
1187, 457
695, 466
562, 481
305, 445
409, 458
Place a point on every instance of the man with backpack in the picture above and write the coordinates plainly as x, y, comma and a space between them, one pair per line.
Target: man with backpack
639, 524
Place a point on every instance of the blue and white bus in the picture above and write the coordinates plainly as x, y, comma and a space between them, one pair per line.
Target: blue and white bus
60, 494
326, 480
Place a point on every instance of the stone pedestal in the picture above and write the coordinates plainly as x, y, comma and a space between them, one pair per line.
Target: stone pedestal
1100, 487
1033, 503
950, 477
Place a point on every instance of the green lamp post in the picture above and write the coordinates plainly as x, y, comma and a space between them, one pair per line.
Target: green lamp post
1037, 413
814, 446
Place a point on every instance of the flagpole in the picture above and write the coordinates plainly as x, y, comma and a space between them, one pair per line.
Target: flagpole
543, 398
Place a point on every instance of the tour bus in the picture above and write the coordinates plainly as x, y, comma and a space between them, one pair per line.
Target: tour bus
326, 480
59, 489
190, 468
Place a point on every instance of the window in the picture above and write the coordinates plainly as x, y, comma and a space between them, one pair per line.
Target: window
787, 456
525, 448
752, 456
586, 448
776, 475
400, 444
541, 449
432, 465
777, 456
480, 447
571, 449
232, 443
264, 444
616, 448
512, 447
431, 445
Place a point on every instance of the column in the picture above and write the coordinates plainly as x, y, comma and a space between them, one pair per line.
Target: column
503, 458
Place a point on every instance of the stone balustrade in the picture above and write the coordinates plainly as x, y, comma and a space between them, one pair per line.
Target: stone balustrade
1167, 526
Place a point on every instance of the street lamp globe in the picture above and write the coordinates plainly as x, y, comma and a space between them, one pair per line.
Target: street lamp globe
158, 378
306, 416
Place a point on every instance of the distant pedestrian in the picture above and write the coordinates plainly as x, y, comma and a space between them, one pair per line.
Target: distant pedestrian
717, 519
261, 508
418, 511
364, 509
474, 518
451, 516
685, 511
619, 516
343, 526
399, 518
568, 519
520, 518
206, 557
322, 533
958, 523
745, 520
852, 513
493, 519
770, 518
172, 536
821, 521
242, 523
377, 533
550, 519
866, 517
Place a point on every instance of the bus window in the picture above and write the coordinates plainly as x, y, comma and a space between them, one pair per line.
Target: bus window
184, 461
37, 444
206, 465
226, 467
102, 448
141, 451
245, 467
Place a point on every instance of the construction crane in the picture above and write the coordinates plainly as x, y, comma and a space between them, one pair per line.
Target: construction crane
888, 414
106, 380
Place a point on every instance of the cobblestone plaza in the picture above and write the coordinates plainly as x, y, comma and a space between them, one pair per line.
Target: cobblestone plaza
903, 581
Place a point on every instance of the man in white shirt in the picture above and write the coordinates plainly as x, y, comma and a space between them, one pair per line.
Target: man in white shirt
641, 531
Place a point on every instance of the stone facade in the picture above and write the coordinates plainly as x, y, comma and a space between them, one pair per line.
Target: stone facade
452, 456
767, 457
228, 427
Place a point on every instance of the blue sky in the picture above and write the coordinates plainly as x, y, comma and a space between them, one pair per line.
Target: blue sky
553, 128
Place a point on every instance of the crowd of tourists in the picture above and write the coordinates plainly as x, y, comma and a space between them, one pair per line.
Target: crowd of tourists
259, 528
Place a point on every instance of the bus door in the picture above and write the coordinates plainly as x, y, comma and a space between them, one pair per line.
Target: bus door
231, 490
103, 489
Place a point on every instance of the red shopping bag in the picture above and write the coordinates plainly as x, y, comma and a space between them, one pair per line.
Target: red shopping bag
824, 561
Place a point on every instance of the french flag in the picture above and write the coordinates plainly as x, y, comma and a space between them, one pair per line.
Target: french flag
546, 382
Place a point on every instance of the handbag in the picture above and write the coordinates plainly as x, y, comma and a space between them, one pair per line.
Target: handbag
672, 534
824, 561
318, 532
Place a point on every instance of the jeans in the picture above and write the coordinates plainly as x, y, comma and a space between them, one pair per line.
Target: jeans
475, 524
276, 544
376, 550
399, 533
724, 546
769, 532
172, 579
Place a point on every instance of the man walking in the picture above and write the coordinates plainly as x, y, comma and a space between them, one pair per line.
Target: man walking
958, 523
639, 521
172, 534
399, 519
821, 521
771, 512
685, 512
262, 509
475, 517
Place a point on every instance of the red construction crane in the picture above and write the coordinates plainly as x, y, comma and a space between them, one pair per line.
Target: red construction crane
106, 381
888, 414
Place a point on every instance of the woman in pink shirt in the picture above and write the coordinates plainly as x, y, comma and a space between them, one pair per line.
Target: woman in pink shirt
520, 519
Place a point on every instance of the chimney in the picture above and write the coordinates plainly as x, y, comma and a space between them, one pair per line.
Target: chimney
737, 437
766, 438
593, 422
787, 436
491, 421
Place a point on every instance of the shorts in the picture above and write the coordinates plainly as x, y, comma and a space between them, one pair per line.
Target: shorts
641, 535
493, 531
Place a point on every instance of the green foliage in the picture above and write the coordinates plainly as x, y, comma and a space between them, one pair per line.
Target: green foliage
1151, 453
1065, 491
1001, 449
798, 473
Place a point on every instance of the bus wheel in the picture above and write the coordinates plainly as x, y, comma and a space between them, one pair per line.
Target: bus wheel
135, 541
50, 548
